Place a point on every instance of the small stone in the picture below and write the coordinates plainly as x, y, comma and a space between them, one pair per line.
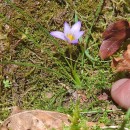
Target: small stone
120, 92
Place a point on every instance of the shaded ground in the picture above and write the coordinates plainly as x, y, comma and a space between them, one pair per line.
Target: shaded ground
33, 72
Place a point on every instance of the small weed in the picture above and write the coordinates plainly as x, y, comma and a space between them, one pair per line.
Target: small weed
7, 83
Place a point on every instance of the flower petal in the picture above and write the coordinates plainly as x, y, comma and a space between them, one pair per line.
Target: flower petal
76, 27
77, 35
67, 39
58, 34
74, 41
66, 28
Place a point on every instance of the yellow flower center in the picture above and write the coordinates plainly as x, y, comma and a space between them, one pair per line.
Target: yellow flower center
71, 37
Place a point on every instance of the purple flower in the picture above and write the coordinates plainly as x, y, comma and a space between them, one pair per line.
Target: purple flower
70, 34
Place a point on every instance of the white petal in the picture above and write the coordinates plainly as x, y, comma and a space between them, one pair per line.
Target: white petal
58, 34
74, 41
76, 27
67, 39
77, 35
66, 28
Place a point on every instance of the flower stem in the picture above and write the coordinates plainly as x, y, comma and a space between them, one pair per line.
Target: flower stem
75, 75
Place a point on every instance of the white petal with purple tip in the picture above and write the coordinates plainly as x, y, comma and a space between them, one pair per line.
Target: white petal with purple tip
67, 39
76, 27
58, 34
74, 41
66, 28
77, 35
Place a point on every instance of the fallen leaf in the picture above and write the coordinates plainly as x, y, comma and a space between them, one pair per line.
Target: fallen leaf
103, 96
35, 120
122, 63
16, 110
92, 124
113, 107
10, 69
113, 38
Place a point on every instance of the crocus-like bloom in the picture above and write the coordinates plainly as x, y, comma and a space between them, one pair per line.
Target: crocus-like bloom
70, 34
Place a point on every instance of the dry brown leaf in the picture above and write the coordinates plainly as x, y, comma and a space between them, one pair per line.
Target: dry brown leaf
92, 124
113, 38
35, 120
122, 63
103, 96
10, 69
